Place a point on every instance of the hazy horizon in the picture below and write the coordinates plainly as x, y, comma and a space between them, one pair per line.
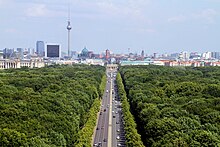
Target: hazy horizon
150, 25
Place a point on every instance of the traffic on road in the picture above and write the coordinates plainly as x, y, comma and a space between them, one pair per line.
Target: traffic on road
110, 130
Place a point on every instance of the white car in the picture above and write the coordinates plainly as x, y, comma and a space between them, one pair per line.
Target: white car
118, 137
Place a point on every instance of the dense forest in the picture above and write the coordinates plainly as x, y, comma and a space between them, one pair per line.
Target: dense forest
175, 106
47, 106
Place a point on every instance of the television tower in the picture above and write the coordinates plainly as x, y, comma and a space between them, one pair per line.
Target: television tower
69, 28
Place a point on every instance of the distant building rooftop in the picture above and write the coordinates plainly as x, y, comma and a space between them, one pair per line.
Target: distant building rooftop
147, 62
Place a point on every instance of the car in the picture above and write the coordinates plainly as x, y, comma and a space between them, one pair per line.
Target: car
118, 130
117, 122
100, 113
105, 140
97, 128
95, 144
118, 137
99, 144
116, 112
118, 144
104, 110
107, 91
113, 116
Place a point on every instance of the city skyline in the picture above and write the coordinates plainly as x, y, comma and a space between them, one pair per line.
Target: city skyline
152, 26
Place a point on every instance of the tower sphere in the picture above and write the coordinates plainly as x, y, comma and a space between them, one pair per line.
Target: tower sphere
69, 26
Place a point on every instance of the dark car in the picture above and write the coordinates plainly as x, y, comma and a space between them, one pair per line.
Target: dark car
99, 144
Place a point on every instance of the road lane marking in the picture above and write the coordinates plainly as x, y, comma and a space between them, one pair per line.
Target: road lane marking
110, 119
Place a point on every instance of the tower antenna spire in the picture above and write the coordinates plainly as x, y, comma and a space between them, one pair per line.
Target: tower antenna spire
69, 28
69, 11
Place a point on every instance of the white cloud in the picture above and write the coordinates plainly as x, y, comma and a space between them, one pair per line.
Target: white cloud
138, 4
141, 30
130, 10
207, 15
96, 9
180, 18
37, 10
4, 2
42, 10
213, 1
11, 30
150, 30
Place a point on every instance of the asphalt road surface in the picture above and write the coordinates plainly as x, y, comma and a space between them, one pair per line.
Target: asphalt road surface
110, 131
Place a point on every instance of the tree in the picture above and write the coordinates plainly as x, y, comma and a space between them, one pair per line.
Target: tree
11, 138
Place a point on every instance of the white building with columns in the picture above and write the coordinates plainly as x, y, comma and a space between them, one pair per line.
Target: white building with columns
17, 63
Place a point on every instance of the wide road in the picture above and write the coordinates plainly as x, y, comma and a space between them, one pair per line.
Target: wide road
109, 130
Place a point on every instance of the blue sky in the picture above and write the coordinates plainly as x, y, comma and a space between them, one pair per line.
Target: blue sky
160, 26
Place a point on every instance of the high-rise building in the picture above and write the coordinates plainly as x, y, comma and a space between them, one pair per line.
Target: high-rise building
216, 55
52, 50
207, 55
74, 55
107, 54
20, 52
40, 48
155, 55
142, 54
1, 54
7, 53
184, 56
174, 55
30, 51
